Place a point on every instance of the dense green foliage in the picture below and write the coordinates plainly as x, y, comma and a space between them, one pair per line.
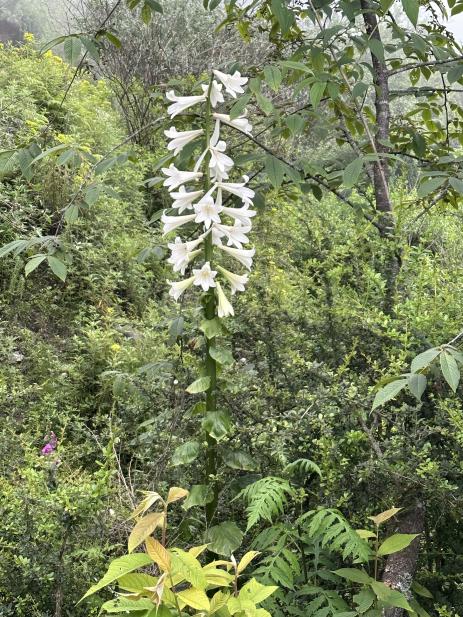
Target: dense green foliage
103, 359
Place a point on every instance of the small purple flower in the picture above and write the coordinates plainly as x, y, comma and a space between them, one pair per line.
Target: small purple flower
50, 446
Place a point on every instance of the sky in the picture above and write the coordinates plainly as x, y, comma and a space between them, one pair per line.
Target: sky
455, 24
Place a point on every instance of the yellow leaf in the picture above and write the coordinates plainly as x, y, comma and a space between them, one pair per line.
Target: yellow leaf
196, 598
384, 516
176, 493
145, 528
150, 499
218, 562
246, 560
365, 533
218, 601
158, 554
219, 578
197, 550
261, 612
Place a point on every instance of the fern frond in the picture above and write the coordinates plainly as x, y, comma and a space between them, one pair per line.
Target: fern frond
302, 466
335, 534
266, 499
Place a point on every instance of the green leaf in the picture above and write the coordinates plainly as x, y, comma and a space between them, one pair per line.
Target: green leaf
354, 575
176, 328
316, 92
429, 186
376, 48
125, 605
71, 214
396, 543
135, 582
411, 8
155, 6
421, 590
450, 369
221, 355
72, 49
57, 267
364, 599
389, 596
417, 385
119, 567
296, 66
388, 392
34, 263
275, 170
457, 185
238, 459
264, 103
217, 424
238, 108
200, 385
224, 539
273, 77
352, 173
295, 123
199, 495
211, 327
284, 16
189, 567
424, 359
186, 453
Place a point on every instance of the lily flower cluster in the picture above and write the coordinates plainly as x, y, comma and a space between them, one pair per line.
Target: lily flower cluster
200, 195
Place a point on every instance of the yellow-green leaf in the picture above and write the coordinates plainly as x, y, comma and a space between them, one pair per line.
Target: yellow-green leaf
246, 560
384, 516
158, 554
118, 568
196, 598
396, 543
256, 592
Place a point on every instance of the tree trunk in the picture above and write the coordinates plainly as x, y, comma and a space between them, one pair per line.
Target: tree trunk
401, 567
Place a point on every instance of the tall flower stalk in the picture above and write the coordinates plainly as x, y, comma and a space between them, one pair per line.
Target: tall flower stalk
202, 217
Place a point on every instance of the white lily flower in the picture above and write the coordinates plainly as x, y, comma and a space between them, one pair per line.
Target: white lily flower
180, 138
244, 256
233, 83
176, 177
224, 308
243, 215
220, 163
237, 281
241, 123
215, 95
183, 199
183, 253
239, 189
173, 222
178, 287
207, 211
205, 277
181, 103
236, 234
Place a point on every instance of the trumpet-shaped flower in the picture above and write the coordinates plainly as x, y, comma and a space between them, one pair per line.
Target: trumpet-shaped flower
239, 189
241, 123
183, 253
236, 234
224, 307
237, 281
176, 177
184, 199
220, 163
207, 211
243, 215
179, 139
244, 256
205, 277
173, 222
178, 287
233, 83
215, 95
181, 103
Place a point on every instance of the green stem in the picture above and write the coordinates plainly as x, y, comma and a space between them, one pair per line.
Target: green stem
210, 313
376, 552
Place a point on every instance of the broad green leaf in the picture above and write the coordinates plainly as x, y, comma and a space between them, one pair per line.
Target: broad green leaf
411, 8
396, 543
354, 575
316, 93
218, 601
284, 16
275, 170
421, 590
376, 48
238, 459
424, 359
417, 385
144, 528
221, 355
352, 173
429, 186
57, 267
457, 185
217, 424
33, 263
388, 392
225, 538
136, 581
273, 77
125, 605
118, 568
389, 596
264, 103
296, 66
382, 517
256, 592
72, 49
364, 599
450, 369
71, 214
238, 108
188, 567
211, 327
155, 6
200, 495
200, 385
186, 453
295, 123
176, 328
